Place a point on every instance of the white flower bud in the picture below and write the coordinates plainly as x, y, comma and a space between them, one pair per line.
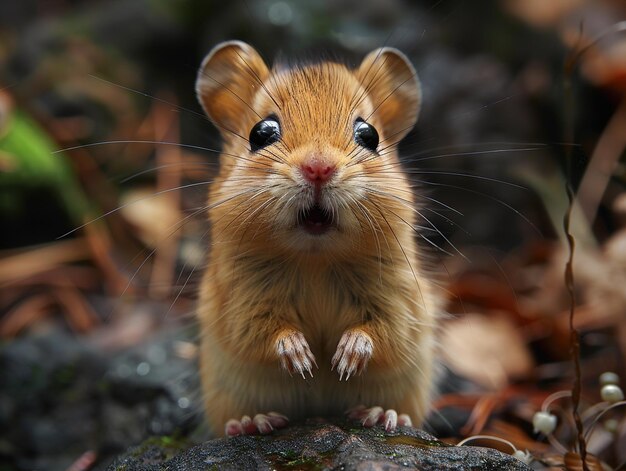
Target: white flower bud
544, 422
608, 377
611, 393
523, 456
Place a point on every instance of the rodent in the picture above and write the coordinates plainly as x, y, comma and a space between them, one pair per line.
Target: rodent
315, 300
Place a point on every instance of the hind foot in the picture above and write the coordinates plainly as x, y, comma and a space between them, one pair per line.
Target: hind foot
370, 416
260, 424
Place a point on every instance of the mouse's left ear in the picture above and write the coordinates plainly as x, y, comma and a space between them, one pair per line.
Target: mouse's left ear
394, 89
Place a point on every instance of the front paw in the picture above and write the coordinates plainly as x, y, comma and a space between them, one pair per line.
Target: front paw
353, 353
294, 352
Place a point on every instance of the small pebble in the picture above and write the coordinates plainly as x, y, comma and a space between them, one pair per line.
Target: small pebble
157, 355
123, 370
143, 368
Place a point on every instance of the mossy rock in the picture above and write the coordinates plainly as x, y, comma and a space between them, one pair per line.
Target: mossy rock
320, 446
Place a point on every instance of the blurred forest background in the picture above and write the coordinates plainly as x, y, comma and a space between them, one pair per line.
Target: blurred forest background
104, 163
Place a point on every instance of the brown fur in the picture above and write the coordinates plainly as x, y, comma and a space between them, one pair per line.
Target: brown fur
267, 279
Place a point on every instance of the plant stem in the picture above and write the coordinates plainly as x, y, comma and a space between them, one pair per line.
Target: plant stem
569, 272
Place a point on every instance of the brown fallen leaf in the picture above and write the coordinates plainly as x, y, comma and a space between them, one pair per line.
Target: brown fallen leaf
515, 435
24, 314
542, 13
34, 260
489, 349
77, 312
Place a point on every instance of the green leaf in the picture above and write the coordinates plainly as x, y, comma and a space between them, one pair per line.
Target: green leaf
28, 160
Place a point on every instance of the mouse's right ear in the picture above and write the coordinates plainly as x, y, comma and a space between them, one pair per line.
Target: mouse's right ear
228, 78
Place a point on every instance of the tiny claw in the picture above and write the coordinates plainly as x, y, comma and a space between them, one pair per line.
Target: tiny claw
233, 428
391, 420
277, 420
351, 371
377, 415
263, 424
373, 417
404, 419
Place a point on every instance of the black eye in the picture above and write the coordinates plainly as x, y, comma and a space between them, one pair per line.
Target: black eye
264, 133
365, 135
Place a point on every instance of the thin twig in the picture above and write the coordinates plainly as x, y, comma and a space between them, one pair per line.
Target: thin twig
569, 272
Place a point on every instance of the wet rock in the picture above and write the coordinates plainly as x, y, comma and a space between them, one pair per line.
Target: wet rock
47, 391
318, 446
60, 397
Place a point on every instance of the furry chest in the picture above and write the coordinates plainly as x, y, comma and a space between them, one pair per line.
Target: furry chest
324, 308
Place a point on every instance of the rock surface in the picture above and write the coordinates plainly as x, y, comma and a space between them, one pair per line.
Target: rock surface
317, 446
61, 397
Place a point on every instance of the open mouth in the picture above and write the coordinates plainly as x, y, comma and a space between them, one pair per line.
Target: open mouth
315, 220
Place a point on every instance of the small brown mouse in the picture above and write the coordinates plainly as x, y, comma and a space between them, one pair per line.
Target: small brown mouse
315, 300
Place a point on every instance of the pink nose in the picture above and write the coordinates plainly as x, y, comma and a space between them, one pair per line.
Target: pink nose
317, 171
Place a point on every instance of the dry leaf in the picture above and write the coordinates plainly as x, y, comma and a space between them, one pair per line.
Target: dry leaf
488, 349
154, 216
541, 12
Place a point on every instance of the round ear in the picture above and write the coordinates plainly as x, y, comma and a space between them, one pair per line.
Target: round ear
394, 89
228, 79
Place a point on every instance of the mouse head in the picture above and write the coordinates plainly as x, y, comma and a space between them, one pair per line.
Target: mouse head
309, 155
